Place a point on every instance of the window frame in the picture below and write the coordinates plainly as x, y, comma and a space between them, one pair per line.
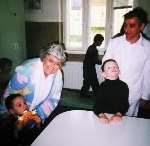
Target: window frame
85, 36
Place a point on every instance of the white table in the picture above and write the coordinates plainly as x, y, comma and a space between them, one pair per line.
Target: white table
82, 128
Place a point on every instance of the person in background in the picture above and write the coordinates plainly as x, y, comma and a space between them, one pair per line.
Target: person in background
89, 70
5, 75
112, 95
132, 53
39, 81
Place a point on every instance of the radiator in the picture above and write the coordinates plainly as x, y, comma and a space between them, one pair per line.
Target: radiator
73, 75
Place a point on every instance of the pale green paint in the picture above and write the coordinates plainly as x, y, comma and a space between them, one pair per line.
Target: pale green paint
12, 30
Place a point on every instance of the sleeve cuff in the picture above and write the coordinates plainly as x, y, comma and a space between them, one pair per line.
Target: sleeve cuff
145, 98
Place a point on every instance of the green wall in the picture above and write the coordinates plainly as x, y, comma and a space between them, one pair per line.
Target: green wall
12, 30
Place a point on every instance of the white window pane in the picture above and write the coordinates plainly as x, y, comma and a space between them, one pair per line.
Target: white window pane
97, 18
85, 18
120, 3
75, 23
118, 19
121, 7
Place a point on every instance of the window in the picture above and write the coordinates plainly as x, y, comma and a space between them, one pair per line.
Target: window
74, 23
85, 18
120, 7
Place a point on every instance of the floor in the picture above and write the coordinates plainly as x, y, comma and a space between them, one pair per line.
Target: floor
71, 98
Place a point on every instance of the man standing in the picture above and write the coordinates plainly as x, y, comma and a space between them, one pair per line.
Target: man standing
132, 53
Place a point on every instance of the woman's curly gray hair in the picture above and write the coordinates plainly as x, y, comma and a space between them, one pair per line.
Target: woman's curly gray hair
56, 50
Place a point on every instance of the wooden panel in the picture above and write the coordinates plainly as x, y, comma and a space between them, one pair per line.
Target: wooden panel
40, 34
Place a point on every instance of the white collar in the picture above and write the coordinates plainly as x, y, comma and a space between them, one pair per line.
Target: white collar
138, 42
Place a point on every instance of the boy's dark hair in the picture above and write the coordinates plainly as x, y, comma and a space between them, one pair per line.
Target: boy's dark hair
108, 60
9, 100
98, 37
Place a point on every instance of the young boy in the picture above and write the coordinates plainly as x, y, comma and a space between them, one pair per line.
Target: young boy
89, 72
112, 96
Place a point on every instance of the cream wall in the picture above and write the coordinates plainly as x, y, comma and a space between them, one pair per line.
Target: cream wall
50, 12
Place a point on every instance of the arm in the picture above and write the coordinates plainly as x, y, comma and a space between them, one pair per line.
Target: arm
19, 82
122, 103
99, 106
27, 117
48, 105
146, 81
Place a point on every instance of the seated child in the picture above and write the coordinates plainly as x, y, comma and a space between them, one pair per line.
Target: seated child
16, 105
112, 95
26, 122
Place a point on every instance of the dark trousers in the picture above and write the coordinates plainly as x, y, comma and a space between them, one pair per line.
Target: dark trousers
89, 80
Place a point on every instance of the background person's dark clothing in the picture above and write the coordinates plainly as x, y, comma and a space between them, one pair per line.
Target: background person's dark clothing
89, 71
112, 97
8, 133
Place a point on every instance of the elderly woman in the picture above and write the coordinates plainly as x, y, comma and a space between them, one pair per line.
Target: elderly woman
39, 80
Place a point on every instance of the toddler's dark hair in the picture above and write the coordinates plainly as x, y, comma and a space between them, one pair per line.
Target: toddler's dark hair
9, 100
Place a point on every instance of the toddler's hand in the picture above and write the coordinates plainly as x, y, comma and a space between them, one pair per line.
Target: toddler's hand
28, 115
37, 119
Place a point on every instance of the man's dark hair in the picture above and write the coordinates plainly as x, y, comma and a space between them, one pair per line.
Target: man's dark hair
141, 14
9, 100
98, 37
108, 60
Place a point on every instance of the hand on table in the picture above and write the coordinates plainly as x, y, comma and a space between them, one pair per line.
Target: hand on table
103, 118
106, 120
116, 118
